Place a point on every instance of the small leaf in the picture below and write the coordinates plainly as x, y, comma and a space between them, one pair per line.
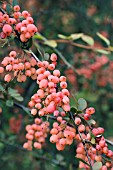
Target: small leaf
38, 36
89, 40
29, 43
102, 51
97, 166
59, 157
2, 88
63, 36
103, 38
8, 9
82, 104
51, 43
93, 141
91, 121
46, 56
15, 2
14, 93
73, 110
76, 36
18, 98
9, 103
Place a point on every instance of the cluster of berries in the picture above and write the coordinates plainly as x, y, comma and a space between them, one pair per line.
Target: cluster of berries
62, 135
52, 96
36, 134
19, 68
95, 154
95, 143
20, 24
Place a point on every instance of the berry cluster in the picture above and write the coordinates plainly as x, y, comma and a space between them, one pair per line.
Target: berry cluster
20, 24
62, 135
36, 133
19, 68
52, 96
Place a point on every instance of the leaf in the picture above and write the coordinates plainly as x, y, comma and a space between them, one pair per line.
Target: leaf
91, 121
102, 51
2, 88
76, 36
103, 38
8, 9
15, 2
97, 165
14, 93
38, 36
9, 103
63, 36
73, 110
59, 157
82, 161
82, 104
46, 56
89, 40
51, 43
93, 140
29, 43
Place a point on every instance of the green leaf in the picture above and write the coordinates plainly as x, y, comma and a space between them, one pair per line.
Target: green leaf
51, 43
89, 40
93, 140
63, 36
76, 36
38, 36
103, 38
59, 157
73, 110
102, 51
14, 93
97, 165
2, 88
92, 122
82, 104
8, 9
15, 2
29, 43
9, 103
46, 56
79, 159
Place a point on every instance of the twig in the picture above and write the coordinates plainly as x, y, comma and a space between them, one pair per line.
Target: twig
84, 46
83, 141
60, 54
12, 145
109, 142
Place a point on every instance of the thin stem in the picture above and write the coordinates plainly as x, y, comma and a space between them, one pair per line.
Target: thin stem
83, 141
84, 46
59, 53
31, 52
12, 145
109, 142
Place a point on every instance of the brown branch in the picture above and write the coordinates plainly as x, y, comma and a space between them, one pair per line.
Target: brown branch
110, 49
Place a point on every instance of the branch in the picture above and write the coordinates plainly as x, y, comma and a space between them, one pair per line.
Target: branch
109, 142
83, 141
84, 46
59, 53
12, 145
